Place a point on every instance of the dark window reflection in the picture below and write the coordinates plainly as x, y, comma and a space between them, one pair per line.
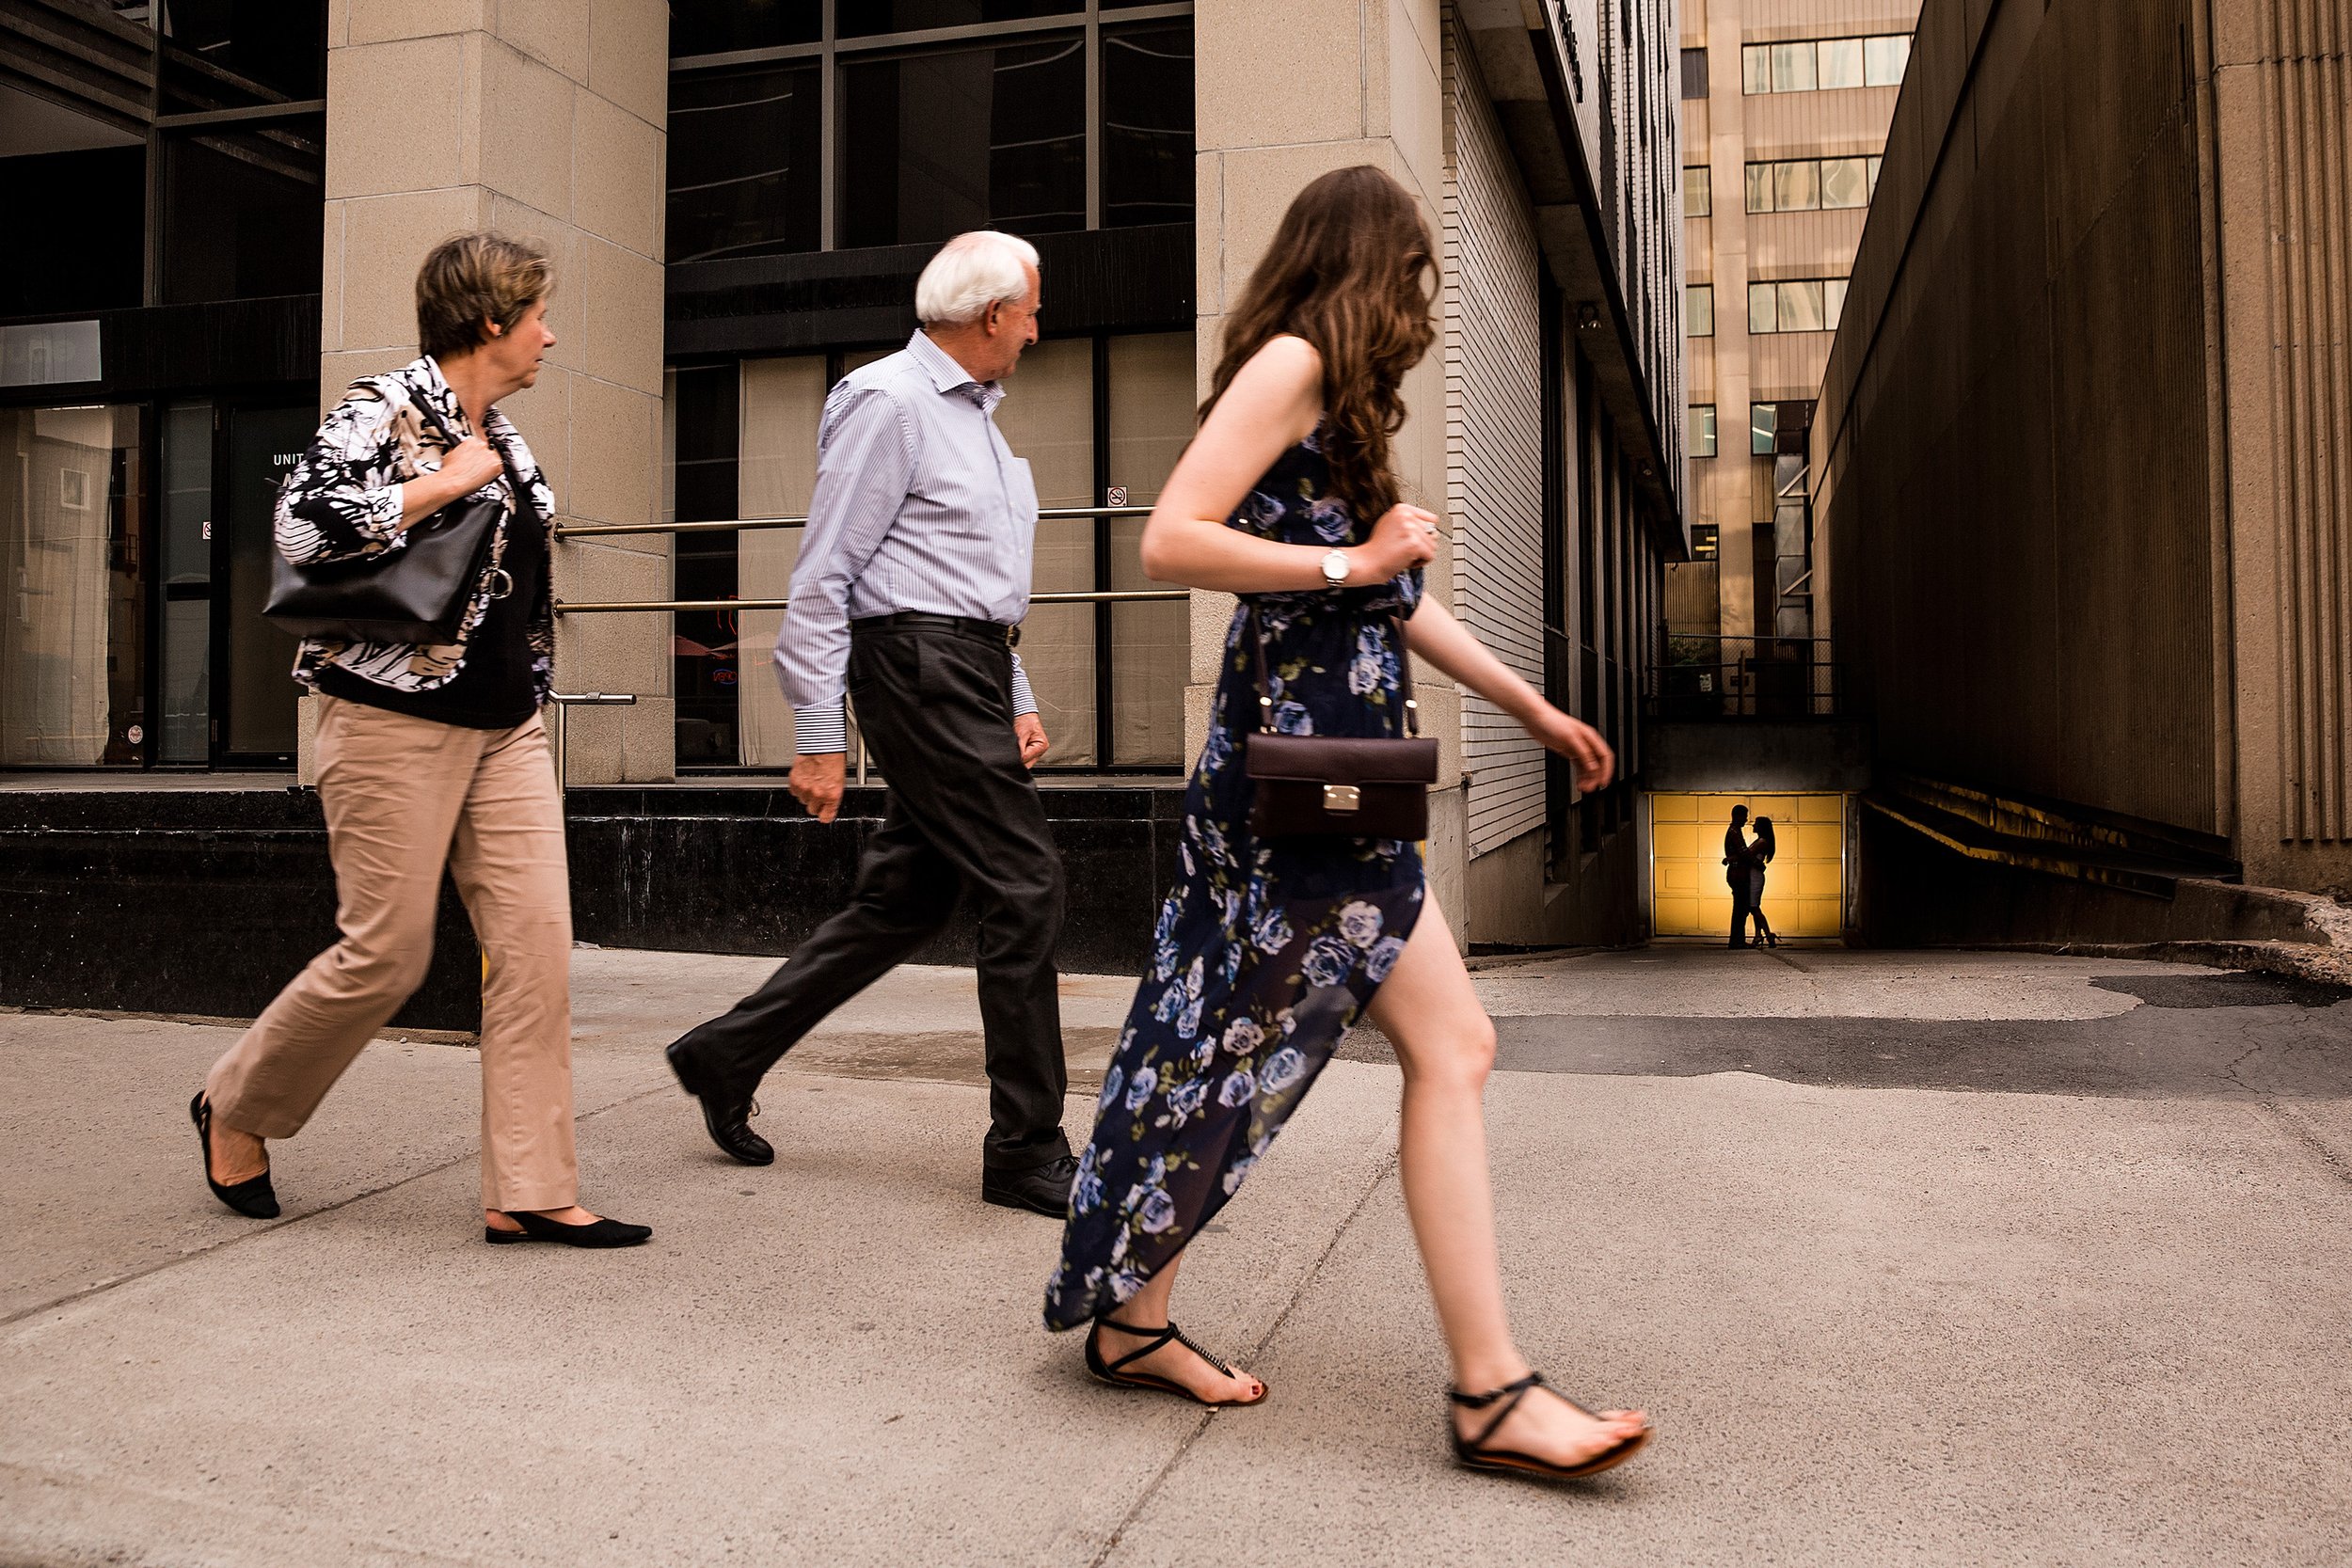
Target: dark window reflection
1147, 125
744, 163
936, 144
243, 211
865, 18
706, 399
88, 209
227, 54
721, 27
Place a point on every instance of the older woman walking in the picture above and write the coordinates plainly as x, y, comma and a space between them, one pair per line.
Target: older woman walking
432, 755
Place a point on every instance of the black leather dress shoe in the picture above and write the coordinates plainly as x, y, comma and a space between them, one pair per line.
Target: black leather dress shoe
253, 1197
728, 1119
1041, 1189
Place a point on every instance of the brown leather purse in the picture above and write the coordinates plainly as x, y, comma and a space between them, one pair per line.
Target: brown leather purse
1339, 787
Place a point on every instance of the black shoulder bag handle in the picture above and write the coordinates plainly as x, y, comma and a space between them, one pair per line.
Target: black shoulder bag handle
417, 593
1340, 787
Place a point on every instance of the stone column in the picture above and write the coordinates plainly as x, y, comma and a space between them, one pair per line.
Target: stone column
545, 120
1282, 94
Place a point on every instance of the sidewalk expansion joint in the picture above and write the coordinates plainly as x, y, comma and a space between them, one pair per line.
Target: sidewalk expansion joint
104, 1285
1200, 1424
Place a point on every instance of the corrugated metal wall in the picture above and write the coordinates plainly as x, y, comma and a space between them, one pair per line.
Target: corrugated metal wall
2013, 438
1494, 446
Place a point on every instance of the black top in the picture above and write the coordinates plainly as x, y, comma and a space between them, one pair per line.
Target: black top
492, 689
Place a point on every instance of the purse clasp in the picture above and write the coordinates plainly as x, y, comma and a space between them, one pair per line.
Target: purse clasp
1343, 798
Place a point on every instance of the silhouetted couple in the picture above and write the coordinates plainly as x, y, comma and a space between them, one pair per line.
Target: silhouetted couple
1744, 862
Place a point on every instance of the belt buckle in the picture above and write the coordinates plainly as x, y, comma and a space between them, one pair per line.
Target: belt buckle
1013, 637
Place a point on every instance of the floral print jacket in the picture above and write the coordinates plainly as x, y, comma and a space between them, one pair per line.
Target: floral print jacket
342, 501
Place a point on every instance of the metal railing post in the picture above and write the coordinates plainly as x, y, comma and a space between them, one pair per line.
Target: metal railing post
566, 701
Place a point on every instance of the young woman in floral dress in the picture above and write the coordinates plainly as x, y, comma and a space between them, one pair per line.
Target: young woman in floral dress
1267, 950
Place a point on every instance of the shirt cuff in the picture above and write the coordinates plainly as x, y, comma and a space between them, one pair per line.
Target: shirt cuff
820, 730
1023, 702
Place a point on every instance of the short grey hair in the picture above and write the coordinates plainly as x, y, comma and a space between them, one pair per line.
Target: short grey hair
972, 272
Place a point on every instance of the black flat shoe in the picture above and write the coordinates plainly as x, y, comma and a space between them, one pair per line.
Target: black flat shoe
253, 1197
727, 1120
1474, 1453
1040, 1189
538, 1227
1113, 1373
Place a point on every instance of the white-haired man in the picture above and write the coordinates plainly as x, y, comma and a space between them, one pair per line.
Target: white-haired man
911, 583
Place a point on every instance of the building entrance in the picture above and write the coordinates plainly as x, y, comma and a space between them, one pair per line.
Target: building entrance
1805, 888
136, 546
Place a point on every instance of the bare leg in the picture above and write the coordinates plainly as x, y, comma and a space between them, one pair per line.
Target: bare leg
1445, 1042
236, 1156
1148, 1308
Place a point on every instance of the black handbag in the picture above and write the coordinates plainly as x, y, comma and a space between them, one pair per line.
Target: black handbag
417, 593
1339, 787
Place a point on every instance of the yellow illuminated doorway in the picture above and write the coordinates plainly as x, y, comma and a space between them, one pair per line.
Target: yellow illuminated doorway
1804, 889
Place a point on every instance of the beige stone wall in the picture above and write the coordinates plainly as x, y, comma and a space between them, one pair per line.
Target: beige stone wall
1284, 93
542, 118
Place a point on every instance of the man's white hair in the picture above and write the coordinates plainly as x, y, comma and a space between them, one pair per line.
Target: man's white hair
972, 272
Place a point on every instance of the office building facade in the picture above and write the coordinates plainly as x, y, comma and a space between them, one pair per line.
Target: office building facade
1786, 106
738, 197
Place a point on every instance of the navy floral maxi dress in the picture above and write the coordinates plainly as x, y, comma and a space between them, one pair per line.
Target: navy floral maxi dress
1265, 952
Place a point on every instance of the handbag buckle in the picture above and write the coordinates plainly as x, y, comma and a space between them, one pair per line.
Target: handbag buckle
1343, 798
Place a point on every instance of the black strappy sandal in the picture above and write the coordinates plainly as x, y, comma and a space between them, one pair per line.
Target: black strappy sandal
1109, 1372
1473, 1452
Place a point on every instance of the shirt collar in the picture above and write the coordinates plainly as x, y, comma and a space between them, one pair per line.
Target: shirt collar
949, 376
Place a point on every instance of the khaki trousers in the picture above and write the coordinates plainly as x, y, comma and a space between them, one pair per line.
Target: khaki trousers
405, 795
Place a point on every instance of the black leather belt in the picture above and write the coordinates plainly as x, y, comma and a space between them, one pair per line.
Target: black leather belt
962, 626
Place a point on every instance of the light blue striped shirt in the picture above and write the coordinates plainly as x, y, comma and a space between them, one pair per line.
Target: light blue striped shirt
919, 505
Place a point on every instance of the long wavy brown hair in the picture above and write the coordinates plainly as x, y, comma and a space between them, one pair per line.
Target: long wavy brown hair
1351, 270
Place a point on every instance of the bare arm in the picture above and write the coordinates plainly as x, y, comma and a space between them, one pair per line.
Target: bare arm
1444, 642
1270, 406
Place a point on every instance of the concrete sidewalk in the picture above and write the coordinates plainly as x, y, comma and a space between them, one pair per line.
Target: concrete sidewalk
1878, 1319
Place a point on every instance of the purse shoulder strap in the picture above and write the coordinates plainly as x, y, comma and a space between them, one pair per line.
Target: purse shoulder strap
1265, 687
432, 415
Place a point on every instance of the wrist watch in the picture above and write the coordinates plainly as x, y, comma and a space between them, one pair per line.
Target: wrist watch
1335, 568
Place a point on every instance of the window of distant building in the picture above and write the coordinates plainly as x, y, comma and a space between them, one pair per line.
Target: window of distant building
1821, 65
1763, 428
1811, 184
1702, 430
1698, 310
1694, 73
1698, 194
1796, 305
803, 125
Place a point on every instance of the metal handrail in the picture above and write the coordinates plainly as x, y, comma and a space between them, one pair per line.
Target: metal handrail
592, 530
1140, 595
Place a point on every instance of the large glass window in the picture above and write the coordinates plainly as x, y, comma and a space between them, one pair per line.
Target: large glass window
89, 207
1816, 64
1702, 430
839, 124
244, 211
1698, 310
236, 54
72, 630
746, 162
1808, 184
969, 139
1694, 74
1699, 192
1147, 125
725, 26
1797, 305
865, 18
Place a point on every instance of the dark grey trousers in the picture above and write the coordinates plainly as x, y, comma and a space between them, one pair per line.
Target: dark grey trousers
936, 710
